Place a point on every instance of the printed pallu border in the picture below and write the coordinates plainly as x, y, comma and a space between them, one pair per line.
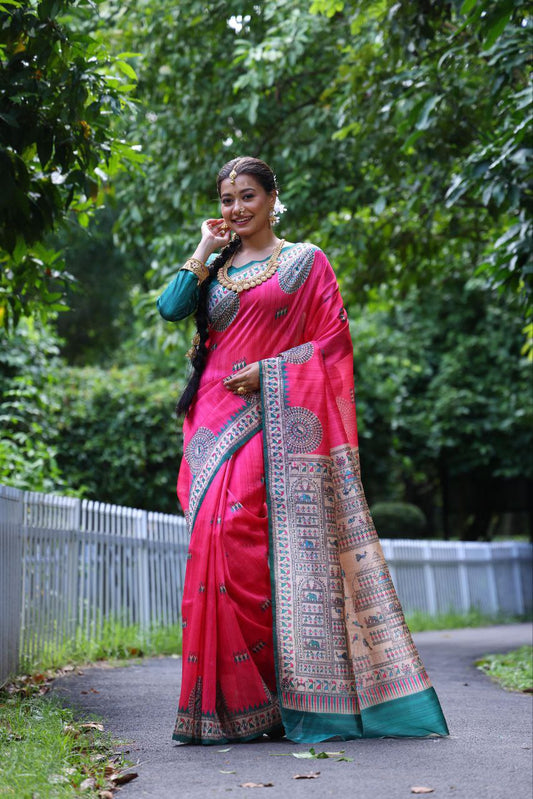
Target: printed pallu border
242, 425
361, 674
311, 692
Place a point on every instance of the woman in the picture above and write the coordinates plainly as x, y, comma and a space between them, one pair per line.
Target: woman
291, 622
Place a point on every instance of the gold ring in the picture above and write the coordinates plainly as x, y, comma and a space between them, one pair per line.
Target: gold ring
241, 390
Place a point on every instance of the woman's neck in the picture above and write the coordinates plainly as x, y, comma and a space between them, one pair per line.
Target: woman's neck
257, 246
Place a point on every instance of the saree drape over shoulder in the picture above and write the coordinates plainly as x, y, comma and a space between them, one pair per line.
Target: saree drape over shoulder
289, 613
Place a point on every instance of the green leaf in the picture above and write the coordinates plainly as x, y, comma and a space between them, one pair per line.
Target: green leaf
467, 6
127, 69
496, 29
424, 118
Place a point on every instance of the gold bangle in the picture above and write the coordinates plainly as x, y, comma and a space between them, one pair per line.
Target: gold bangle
197, 267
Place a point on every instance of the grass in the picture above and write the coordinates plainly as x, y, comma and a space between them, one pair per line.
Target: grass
113, 641
418, 621
513, 670
46, 754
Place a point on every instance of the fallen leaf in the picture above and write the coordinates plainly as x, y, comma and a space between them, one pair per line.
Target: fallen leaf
56, 779
87, 784
303, 755
222, 771
421, 789
313, 775
334, 754
345, 759
92, 725
256, 785
224, 750
123, 778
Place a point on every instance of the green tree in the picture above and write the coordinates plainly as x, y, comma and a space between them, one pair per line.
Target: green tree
435, 99
29, 403
443, 396
59, 92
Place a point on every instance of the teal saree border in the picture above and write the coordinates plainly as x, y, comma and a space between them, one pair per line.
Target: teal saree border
255, 428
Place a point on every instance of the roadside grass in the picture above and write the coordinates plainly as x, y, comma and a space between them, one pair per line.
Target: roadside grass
452, 620
512, 670
111, 641
46, 754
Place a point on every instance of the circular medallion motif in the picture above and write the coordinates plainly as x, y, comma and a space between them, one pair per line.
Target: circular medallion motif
295, 266
199, 448
300, 354
222, 307
304, 431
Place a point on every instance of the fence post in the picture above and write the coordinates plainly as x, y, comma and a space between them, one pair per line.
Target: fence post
517, 580
142, 566
11, 582
463, 577
429, 579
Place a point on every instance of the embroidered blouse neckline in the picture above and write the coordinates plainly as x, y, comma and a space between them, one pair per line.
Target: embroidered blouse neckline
260, 260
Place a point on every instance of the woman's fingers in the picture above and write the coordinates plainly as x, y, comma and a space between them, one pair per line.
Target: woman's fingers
243, 381
217, 230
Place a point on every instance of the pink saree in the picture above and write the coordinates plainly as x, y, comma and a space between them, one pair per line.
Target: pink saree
289, 613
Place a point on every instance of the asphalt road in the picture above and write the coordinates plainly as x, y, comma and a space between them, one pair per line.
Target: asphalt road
487, 756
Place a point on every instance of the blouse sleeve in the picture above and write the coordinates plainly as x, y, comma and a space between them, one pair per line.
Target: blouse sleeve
180, 297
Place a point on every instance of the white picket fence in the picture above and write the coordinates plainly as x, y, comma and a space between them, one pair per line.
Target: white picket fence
67, 565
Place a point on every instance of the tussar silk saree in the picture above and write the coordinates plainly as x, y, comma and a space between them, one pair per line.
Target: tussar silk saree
290, 618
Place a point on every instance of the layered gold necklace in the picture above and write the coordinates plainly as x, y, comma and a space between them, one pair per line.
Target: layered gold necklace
250, 282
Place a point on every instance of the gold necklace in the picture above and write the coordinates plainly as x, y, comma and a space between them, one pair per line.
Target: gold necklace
247, 283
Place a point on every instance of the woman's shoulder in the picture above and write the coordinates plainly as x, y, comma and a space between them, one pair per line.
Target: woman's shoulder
300, 248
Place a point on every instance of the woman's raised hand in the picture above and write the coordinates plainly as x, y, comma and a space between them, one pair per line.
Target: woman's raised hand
216, 232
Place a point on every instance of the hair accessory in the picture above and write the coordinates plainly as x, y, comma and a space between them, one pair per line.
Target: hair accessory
195, 343
246, 283
197, 267
233, 173
275, 212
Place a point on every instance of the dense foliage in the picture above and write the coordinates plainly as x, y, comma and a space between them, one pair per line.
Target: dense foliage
29, 404
59, 90
118, 436
399, 135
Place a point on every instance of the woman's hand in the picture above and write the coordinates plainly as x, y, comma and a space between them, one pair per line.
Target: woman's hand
245, 380
215, 234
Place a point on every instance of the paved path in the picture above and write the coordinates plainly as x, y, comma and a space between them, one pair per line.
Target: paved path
487, 756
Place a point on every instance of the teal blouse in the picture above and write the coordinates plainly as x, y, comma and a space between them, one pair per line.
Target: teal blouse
180, 298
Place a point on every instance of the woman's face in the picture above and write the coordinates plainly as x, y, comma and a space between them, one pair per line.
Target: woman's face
245, 205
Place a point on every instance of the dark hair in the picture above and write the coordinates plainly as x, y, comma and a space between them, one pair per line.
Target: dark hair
265, 176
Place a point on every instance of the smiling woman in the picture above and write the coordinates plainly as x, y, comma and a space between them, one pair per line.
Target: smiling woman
291, 622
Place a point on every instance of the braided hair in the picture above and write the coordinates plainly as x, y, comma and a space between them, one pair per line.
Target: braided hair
265, 176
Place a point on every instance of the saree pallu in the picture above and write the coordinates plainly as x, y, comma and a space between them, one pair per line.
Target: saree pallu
290, 616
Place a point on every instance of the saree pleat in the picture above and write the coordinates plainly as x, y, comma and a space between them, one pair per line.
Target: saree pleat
229, 687
289, 612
